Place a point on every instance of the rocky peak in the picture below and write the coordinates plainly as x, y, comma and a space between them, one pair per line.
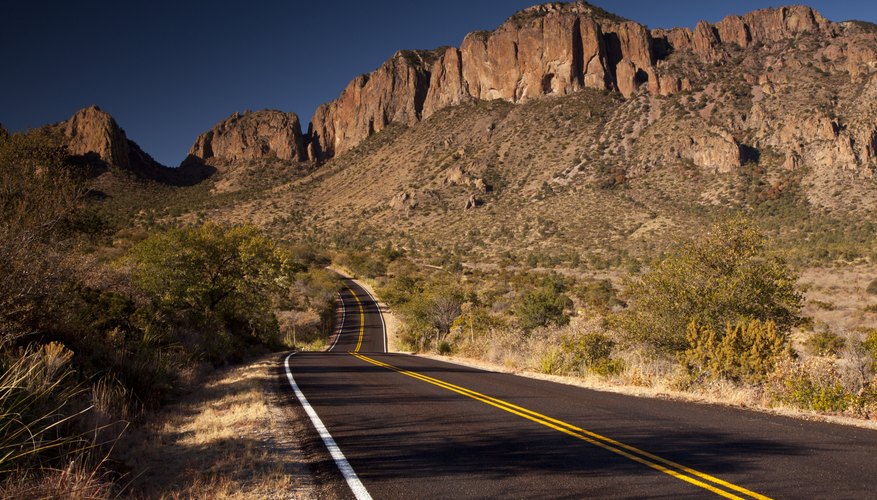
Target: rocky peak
253, 135
95, 136
393, 93
91, 130
552, 49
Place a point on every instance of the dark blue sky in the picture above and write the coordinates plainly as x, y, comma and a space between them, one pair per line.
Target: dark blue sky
168, 70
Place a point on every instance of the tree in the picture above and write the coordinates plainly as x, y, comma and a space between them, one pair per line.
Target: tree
433, 311
226, 278
39, 192
719, 278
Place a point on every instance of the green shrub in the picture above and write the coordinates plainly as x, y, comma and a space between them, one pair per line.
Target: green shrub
543, 307
444, 348
814, 385
598, 294
825, 343
430, 313
591, 352
747, 352
719, 278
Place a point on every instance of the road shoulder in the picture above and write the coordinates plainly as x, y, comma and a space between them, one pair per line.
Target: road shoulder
231, 434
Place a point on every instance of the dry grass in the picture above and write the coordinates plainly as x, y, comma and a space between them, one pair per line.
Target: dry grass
725, 394
508, 350
836, 296
224, 439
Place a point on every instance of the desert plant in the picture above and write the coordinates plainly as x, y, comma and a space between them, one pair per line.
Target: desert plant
825, 343
813, 385
747, 352
872, 287
721, 277
870, 344
542, 307
35, 395
590, 352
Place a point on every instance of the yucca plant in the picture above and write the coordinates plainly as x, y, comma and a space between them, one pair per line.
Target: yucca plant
35, 395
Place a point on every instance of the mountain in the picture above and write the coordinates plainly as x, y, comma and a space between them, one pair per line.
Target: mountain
251, 136
560, 48
94, 136
570, 131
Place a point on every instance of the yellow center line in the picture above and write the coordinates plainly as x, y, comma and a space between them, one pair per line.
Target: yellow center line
655, 462
361, 320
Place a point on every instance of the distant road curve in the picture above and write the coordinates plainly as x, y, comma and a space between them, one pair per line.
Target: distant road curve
410, 427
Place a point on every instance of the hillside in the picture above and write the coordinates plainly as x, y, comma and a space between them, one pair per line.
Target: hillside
774, 115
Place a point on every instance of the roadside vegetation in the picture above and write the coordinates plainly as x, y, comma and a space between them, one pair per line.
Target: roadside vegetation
719, 315
98, 325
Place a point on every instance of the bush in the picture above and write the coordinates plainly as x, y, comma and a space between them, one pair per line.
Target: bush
590, 352
543, 307
747, 352
872, 287
598, 294
39, 194
719, 278
870, 344
814, 385
825, 343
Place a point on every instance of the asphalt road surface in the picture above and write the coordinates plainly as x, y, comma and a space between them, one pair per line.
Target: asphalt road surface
410, 427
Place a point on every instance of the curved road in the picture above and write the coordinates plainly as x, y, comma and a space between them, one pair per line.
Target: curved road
411, 427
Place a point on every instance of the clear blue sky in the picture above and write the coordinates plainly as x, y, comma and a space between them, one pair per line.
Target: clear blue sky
168, 70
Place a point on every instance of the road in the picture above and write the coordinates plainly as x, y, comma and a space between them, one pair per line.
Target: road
411, 427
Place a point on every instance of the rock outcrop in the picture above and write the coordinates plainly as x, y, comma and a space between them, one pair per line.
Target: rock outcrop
551, 49
253, 135
394, 93
91, 130
94, 136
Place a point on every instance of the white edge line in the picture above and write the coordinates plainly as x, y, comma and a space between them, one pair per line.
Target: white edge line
380, 315
344, 466
343, 317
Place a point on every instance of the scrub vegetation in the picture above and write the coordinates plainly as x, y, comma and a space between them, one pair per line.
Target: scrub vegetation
99, 326
721, 310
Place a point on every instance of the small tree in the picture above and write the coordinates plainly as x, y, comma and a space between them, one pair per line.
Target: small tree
433, 311
39, 193
225, 279
719, 278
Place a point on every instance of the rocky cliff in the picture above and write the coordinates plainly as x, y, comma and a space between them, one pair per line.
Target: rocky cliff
552, 50
253, 135
95, 137
91, 130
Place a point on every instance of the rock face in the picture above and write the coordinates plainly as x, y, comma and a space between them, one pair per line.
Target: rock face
253, 135
91, 130
394, 93
551, 49
95, 136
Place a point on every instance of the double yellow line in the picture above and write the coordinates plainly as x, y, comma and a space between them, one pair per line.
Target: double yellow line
361, 320
668, 467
